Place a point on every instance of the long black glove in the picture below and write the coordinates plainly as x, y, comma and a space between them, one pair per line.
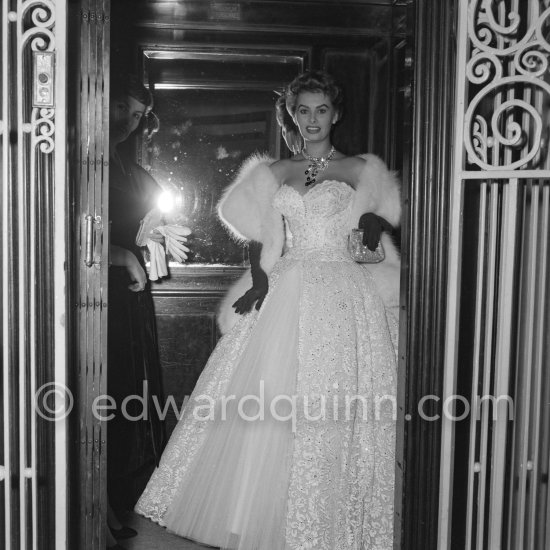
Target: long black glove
259, 282
372, 226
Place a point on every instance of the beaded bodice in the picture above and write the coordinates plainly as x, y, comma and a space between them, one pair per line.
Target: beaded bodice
319, 219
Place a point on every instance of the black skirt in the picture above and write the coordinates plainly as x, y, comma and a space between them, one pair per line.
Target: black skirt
136, 436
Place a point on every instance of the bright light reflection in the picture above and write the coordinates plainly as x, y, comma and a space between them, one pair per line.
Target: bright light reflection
165, 202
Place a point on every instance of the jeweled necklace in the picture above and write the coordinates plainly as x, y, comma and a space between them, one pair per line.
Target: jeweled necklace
316, 165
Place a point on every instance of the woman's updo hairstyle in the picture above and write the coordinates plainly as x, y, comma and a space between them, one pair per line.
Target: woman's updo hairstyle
314, 81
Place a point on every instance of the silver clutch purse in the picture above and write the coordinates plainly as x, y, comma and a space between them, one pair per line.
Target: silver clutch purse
360, 252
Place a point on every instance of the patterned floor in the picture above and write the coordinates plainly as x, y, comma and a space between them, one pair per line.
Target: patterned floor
153, 537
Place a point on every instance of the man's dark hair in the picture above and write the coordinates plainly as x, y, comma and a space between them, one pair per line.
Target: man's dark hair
130, 85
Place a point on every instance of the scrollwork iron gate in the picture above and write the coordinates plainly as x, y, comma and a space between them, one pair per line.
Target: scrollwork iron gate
495, 460
34, 401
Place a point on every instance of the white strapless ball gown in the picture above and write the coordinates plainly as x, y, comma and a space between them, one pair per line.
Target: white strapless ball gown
303, 483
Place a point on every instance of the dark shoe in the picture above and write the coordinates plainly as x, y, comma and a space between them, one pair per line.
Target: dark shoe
116, 547
123, 533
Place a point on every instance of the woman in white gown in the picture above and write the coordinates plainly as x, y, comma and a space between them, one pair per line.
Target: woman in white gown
287, 441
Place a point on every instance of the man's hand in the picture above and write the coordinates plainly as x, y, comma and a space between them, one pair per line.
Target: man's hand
125, 258
372, 226
136, 273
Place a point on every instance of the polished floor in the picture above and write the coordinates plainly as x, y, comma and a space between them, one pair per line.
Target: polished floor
153, 537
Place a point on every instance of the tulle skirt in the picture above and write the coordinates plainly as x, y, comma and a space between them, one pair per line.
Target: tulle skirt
288, 439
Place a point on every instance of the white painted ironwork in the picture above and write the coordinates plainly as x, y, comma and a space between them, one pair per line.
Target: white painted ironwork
60, 278
501, 175
33, 145
6, 257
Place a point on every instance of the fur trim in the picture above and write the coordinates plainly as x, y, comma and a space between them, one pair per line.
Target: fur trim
238, 207
387, 274
245, 209
378, 191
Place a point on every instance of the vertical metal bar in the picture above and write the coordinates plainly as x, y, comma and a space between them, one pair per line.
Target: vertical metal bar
504, 157
60, 278
477, 355
502, 356
512, 526
537, 404
525, 363
31, 258
453, 292
501, 156
491, 283
23, 280
6, 184
519, 468
533, 403
539, 408
542, 504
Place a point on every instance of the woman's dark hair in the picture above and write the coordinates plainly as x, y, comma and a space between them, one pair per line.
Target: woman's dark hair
129, 84
314, 81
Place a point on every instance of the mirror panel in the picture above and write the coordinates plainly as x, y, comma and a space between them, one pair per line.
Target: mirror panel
216, 109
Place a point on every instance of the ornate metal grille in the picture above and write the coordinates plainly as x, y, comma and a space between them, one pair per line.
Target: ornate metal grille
497, 460
33, 206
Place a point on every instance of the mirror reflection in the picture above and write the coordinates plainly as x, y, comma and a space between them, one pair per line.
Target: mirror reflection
204, 137
216, 109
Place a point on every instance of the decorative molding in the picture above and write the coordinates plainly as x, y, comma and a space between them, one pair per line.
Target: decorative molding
43, 129
43, 18
41, 38
505, 80
198, 281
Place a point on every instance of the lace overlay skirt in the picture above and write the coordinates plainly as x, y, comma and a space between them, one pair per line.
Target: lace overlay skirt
316, 469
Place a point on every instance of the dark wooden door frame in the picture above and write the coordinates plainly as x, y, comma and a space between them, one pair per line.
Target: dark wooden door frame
88, 156
426, 196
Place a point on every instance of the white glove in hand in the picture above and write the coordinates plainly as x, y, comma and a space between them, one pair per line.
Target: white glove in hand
158, 266
147, 225
175, 236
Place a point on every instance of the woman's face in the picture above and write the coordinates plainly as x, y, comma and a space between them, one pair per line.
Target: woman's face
315, 114
125, 115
